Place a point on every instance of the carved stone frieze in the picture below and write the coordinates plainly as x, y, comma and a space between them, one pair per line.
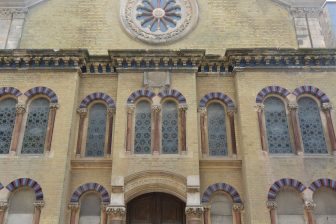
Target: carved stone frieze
300, 12
4, 12
116, 211
194, 212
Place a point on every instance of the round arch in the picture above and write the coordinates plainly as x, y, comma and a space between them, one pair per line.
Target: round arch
278, 185
90, 187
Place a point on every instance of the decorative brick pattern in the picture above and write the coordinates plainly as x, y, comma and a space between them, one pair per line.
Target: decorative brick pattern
217, 96
324, 182
221, 187
312, 91
97, 96
10, 90
278, 185
174, 94
42, 90
140, 93
271, 90
90, 187
26, 182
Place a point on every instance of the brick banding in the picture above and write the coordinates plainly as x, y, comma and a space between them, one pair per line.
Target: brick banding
140, 93
97, 96
90, 187
221, 187
324, 182
26, 182
174, 94
217, 96
278, 185
42, 90
271, 90
323, 98
10, 91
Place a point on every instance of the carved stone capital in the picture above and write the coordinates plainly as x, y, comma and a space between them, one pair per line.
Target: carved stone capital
293, 106
202, 110
238, 207
54, 106
82, 112
231, 111
156, 108
130, 108
259, 107
3, 206
39, 204
111, 111
116, 211
194, 212
183, 107
272, 205
20, 108
327, 106
73, 206
309, 205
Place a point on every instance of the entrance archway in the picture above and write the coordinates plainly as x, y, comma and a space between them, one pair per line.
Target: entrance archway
156, 208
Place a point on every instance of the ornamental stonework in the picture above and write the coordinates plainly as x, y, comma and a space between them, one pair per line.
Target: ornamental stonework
159, 21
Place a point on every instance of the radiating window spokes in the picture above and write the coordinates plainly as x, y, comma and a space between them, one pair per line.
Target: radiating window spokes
143, 128
170, 132
95, 141
277, 126
7, 121
36, 127
311, 126
217, 130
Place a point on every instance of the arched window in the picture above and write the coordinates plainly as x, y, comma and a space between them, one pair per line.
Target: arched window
277, 126
325, 210
7, 121
36, 127
221, 209
217, 130
95, 141
90, 209
21, 207
143, 128
311, 126
170, 132
290, 207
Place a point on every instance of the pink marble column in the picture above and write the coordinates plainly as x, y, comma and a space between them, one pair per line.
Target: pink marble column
110, 114
260, 110
116, 215
203, 113
327, 107
3, 208
51, 124
194, 215
309, 208
292, 107
82, 115
237, 209
231, 113
272, 206
183, 108
73, 212
38, 208
20, 111
130, 115
156, 109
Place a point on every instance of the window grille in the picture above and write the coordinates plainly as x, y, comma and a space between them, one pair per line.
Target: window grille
143, 128
170, 131
7, 121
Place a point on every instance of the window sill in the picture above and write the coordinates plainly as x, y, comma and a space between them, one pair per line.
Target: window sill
92, 163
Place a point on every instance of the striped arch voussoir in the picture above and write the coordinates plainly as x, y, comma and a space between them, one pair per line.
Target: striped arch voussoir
26, 182
278, 185
221, 187
174, 94
271, 90
42, 90
140, 93
312, 91
324, 182
97, 96
217, 96
1, 186
10, 91
105, 197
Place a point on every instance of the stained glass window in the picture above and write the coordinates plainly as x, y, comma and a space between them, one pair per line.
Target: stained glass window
277, 126
311, 126
7, 121
169, 128
143, 128
36, 127
95, 140
217, 130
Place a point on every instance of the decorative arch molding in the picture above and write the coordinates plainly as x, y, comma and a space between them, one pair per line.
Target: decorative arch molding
26, 182
42, 90
90, 187
323, 182
140, 93
10, 91
278, 185
174, 94
97, 96
217, 96
221, 187
278, 90
319, 94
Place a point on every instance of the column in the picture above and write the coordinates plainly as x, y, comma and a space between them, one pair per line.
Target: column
51, 123
73, 212
203, 113
183, 108
292, 107
207, 215
327, 107
3, 208
115, 214
103, 213
260, 110
130, 115
237, 209
309, 208
37, 214
272, 206
110, 114
82, 115
194, 215
20, 111
156, 109
231, 113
